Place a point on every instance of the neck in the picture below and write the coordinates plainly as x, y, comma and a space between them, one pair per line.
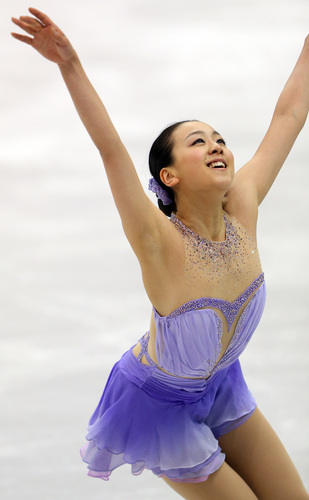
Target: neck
205, 220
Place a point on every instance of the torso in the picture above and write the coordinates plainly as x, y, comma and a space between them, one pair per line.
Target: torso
214, 270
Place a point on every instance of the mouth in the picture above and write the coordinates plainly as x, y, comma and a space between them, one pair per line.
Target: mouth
219, 164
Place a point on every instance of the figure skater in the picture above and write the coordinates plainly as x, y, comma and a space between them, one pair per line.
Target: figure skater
177, 403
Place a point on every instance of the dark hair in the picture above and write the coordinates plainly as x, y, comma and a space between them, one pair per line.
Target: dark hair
160, 156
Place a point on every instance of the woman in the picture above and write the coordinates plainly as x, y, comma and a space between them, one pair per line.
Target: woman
177, 403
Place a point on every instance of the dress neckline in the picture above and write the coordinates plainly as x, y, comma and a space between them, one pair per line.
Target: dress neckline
185, 230
229, 308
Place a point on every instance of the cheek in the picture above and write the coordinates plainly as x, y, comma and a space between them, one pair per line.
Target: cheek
230, 154
189, 160
196, 156
230, 157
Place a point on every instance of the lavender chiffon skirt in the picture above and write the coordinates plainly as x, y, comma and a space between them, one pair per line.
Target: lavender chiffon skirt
169, 425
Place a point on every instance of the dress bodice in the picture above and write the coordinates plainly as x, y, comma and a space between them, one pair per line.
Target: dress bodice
189, 341
221, 296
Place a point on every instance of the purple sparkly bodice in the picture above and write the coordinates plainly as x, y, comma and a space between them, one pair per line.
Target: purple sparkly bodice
207, 334
188, 341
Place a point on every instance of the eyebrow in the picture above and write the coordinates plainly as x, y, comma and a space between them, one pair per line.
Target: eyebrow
201, 132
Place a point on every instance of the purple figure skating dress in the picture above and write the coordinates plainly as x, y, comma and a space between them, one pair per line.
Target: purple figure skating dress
168, 416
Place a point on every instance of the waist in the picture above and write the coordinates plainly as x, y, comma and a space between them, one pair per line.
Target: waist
165, 387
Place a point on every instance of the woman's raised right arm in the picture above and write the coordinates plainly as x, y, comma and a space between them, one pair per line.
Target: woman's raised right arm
140, 218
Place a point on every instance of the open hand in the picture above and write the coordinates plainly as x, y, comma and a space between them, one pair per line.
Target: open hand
45, 37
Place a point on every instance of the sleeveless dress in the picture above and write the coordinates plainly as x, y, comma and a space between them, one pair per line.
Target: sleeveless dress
167, 417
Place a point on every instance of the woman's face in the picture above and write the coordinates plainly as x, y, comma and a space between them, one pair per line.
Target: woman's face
201, 158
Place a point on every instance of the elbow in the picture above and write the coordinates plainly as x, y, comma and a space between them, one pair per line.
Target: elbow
294, 115
293, 105
299, 117
110, 148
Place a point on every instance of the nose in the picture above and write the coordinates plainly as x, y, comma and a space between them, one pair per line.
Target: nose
214, 147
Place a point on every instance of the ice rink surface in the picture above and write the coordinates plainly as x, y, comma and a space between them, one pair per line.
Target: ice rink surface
72, 299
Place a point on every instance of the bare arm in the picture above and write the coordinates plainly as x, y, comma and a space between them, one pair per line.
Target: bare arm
139, 216
253, 181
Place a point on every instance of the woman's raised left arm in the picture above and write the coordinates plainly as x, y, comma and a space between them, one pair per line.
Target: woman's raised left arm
288, 119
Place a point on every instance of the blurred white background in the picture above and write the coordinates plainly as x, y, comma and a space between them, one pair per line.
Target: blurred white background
72, 300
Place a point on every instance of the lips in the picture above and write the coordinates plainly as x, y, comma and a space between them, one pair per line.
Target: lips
217, 164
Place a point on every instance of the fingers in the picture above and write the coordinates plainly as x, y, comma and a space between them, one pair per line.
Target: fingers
45, 20
28, 24
34, 25
23, 38
32, 22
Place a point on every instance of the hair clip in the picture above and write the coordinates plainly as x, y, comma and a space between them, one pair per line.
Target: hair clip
163, 195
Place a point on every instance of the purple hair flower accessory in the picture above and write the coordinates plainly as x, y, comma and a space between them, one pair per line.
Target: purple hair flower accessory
155, 187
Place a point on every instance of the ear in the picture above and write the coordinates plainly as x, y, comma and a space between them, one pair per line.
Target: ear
168, 178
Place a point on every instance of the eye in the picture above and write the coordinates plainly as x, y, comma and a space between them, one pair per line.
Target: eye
221, 141
198, 141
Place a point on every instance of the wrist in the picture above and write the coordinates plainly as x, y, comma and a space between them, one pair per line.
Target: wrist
70, 64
